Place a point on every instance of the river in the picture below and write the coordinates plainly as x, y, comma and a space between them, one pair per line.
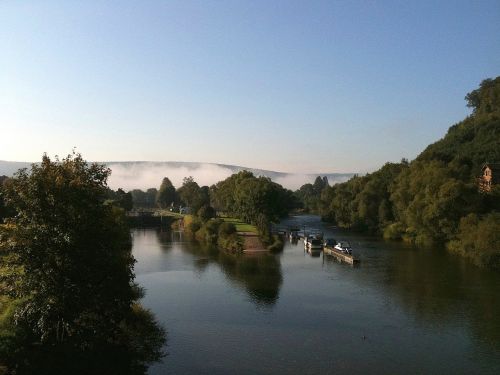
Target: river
402, 311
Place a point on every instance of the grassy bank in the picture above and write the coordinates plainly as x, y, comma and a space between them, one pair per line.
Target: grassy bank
240, 225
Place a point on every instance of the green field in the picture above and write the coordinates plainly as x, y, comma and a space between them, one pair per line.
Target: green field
240, 225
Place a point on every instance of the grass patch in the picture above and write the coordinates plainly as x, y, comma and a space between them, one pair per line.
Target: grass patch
240, 225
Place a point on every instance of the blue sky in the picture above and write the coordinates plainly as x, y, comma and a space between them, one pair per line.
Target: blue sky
297, 86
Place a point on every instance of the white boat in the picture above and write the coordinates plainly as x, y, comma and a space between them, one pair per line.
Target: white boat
344, 247
311, 243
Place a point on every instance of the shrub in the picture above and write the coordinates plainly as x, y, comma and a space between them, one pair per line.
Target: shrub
479, 239
226, 229
191, 224
394, 231
206, 213
277, 245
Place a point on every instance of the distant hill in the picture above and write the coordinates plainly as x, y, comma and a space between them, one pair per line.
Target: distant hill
147, 174
8, 168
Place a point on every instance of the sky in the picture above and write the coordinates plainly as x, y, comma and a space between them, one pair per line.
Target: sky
292, 86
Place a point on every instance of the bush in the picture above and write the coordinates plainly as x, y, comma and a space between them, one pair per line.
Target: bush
394, 231
479, 239
209, 231
231, 242
277, 245
206, 213
191, 224
227, 229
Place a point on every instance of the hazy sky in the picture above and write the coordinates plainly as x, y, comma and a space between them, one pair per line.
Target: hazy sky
309, 86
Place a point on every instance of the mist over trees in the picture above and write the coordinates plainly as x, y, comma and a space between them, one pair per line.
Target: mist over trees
435, 198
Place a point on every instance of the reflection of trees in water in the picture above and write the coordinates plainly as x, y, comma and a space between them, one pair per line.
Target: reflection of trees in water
432, 285
260, 275
439, 288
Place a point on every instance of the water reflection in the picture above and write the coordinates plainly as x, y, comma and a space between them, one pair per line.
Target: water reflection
404, 310
259, 275
314, 253
431, 285
438, 287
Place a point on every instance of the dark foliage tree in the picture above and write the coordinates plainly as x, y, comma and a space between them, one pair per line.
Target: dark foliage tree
120, 199
248, 197
206, 213
4, 210
310, 194
75, 270
167, 195
124, 200
192, 195
144, 199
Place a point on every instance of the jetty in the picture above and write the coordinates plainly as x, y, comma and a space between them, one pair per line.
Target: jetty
342, 257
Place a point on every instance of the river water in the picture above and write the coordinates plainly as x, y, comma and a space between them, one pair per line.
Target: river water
402, 311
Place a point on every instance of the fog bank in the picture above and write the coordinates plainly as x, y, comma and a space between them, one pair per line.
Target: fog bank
145, 175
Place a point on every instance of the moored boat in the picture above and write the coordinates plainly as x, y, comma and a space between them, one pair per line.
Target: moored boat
344, 247
342, 251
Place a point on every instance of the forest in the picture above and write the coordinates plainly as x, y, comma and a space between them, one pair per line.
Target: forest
433, 199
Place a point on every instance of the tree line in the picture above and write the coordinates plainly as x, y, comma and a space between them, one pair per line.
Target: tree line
434, 198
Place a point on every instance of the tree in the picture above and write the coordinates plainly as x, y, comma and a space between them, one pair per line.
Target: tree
76, 284
246, 196
4, 211
486, 98
124, 200
167, 195
192, 195
206, 213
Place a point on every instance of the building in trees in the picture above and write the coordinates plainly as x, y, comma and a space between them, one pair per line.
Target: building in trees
490, 176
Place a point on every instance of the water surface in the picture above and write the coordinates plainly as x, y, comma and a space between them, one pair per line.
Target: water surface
403, 310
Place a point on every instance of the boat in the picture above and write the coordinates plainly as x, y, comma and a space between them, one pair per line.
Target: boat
344, 247
329, 243
312, 242
342, 251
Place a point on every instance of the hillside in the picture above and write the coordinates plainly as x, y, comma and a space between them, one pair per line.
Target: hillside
435, 198
476, 139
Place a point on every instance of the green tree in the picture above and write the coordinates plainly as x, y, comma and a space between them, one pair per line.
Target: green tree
206, 213
4, 211
478, 238
122, 199
75, 286
192, 195
166, 195
74, 251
